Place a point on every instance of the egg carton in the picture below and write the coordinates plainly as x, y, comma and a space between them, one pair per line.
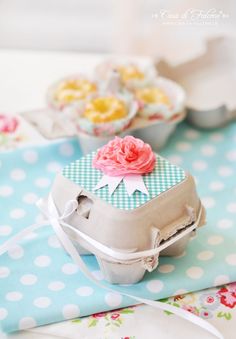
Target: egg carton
128, 233
56, 124
208, 81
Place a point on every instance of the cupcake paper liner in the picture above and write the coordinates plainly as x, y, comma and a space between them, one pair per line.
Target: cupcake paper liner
161, 111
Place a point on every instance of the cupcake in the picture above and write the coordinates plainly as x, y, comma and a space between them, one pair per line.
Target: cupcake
163, 99
105, 109
72, 90
132, 75
107, 114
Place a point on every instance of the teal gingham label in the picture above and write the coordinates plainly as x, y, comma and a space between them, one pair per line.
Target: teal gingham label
164, 176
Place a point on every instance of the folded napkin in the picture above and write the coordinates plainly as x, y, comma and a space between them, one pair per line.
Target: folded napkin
217, 305
39, 284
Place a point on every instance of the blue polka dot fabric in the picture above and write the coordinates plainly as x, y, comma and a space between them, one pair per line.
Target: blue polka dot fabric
39, 284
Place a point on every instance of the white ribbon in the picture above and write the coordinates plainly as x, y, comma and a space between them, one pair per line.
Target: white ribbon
132, 183
55, 220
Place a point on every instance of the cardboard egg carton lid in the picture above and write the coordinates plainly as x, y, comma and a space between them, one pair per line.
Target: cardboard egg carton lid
209, 78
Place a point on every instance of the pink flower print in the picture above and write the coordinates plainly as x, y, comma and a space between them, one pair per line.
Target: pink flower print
115, 316
8, 124
209, 301
191, 309
205, 314
99, 315
227, 297
232, 287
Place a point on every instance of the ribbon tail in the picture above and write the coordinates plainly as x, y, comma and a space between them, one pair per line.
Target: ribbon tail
112, 183
134, 182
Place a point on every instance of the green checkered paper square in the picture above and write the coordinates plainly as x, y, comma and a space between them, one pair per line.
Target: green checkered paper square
164, 176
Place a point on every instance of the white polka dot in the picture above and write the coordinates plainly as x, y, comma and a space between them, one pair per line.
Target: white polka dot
215, 240
42, 182
155, 286
113, 299
4, 272
84, 291
31, 157
27, 322
69, 268
3, 313
66, 149
5, 191
195, 272
183, 146
217, 186
70, 311
16, 252
199, 165
98, 275
30, 198
42, 261
175, 159
17, 213
14, 296
42, 302
225, 223
208, 202
166, 268
231, 155
54, 167
53, 241
205, 255
56, 286
221, 280
231, 259
192, 134
225, 171
28, 279
17, 174
217, 137
231, 207
5, 230
208, 150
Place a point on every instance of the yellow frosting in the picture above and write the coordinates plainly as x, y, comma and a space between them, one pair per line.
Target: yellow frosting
130, 72
152, 95
105, 109
74, 90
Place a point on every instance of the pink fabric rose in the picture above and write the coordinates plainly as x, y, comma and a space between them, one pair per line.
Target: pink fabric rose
8, 124
125, 156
